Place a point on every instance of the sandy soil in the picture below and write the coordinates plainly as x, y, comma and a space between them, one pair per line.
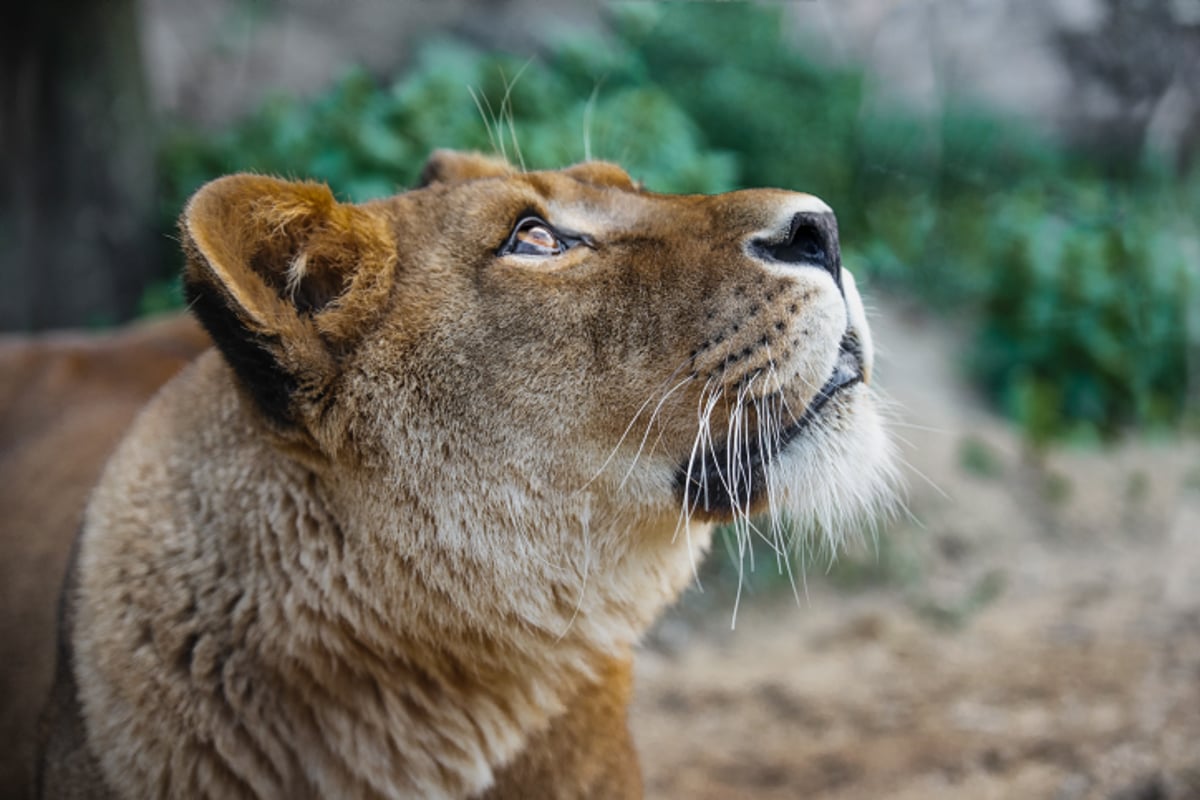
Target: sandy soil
1032, 632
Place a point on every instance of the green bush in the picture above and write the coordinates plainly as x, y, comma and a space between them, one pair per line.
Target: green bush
1077, 274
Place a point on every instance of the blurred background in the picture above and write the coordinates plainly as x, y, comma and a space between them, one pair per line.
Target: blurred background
1017, 184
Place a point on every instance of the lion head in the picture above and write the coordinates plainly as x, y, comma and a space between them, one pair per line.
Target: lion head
515, 353
457, 450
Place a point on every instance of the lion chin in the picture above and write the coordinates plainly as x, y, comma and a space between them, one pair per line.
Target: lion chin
398, 532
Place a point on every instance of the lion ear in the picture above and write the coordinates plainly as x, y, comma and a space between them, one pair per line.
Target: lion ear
601, 173
453, 166
283, 277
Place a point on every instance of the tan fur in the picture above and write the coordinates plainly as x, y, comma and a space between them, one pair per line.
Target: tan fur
65, 399
399, 536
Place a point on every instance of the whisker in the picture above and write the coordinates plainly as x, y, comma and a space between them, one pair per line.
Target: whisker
650, 425
703, 430
768, 432
738, 460
487, 126
904, 441
628, 428
507, 109
897, 423
585, 521
588, 109
711, 447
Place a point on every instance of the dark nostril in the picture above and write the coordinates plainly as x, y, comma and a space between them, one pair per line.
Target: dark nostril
811, 240
805, 245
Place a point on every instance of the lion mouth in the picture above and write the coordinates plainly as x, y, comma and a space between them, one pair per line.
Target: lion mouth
728, 477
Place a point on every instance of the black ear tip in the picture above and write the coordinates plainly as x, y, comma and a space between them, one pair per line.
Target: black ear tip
248, 353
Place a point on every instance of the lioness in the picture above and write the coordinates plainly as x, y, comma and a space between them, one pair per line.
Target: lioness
398, 534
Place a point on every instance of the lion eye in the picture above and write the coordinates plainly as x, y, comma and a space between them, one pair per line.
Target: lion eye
533, 236
536, 239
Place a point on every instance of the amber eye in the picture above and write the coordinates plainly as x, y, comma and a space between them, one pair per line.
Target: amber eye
533, 238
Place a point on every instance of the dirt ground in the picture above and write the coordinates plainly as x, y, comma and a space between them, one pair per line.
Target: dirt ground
1031, 631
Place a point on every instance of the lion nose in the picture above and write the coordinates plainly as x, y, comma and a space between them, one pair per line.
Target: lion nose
810, 240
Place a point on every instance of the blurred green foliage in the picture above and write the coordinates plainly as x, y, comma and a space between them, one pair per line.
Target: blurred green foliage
979, 458
1075, 272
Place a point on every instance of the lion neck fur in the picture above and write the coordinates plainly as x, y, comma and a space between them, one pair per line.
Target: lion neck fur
414, 639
